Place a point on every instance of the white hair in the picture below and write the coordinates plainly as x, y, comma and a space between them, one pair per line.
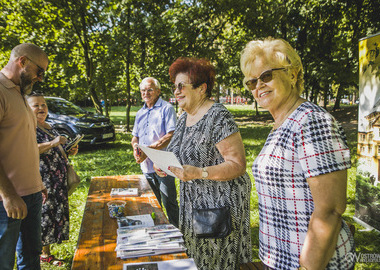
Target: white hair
150, 79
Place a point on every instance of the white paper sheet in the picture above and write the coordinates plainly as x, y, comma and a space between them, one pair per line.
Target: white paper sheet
181, 264
162, 159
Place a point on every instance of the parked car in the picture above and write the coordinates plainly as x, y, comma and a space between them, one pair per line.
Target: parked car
71, 120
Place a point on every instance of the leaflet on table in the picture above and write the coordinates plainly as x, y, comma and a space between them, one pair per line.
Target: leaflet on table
162, 159
135, 221
130, 239
126, 254
153, 245
149, 236
124, 192
148, 239
182, 264
154, 229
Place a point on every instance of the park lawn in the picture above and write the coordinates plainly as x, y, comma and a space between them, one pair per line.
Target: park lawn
117, 159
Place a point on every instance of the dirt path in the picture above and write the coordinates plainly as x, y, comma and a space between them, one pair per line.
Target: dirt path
348, 117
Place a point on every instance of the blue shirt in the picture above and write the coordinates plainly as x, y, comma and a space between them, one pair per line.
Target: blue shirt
151, 124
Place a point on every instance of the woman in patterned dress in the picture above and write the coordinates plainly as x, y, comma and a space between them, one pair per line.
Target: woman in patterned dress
208, 144
53, 169
301, 172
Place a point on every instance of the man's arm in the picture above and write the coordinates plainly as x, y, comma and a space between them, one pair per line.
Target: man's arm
163, 141
14, 205
134, 141
170, 123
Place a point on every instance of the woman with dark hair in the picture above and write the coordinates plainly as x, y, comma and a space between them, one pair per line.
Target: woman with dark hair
208, 144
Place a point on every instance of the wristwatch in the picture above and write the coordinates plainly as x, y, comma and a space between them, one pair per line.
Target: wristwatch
204, 173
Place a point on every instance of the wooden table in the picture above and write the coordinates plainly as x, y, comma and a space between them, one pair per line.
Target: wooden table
97, 236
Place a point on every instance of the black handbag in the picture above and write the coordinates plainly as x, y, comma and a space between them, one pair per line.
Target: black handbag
212, 223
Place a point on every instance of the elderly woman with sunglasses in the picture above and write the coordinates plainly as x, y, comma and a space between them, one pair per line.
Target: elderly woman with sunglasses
301, 172
208, 144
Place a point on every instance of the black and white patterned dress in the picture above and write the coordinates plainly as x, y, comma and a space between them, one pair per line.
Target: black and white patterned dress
195, 145
309, 143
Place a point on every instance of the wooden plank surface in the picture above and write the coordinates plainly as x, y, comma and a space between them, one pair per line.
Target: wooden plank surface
97, 237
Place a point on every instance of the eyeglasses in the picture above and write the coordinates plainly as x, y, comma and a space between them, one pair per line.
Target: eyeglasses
41, 71
265, 77
180, 86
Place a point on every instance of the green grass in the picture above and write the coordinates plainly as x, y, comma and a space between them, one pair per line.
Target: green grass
117, 159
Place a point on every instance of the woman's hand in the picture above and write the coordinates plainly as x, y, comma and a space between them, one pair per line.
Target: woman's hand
58, 140
187, 173
73, 151
44, 195
43, 147
159, 172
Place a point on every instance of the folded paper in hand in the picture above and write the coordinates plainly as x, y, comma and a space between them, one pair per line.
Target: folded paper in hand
73, 142
162, 159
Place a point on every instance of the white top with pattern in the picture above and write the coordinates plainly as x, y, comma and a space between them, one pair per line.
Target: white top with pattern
309, 143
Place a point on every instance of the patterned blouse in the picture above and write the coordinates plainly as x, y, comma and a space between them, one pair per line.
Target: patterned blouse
196, 145
309, 143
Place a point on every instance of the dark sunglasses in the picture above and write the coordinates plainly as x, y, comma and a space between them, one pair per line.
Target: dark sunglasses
180, 86
265, 77
41, 71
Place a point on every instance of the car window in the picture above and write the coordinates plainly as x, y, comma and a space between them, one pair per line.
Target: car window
64, 107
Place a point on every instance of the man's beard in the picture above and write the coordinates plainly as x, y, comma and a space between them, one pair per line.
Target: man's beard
26, 84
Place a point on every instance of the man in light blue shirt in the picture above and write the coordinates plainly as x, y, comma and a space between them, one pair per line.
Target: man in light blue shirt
154, 127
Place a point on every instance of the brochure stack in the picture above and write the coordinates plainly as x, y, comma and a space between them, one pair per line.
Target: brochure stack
135, 239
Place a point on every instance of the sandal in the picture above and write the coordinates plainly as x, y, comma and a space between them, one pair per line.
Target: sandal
52, 260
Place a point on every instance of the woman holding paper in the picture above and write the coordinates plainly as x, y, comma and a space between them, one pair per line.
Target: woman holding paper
208, 144
53, 169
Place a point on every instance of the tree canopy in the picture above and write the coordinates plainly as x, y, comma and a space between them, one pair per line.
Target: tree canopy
101, 49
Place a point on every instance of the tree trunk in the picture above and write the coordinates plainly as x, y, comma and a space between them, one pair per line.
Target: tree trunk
105, 96
338, 98
217, 97
95, 100
128, 105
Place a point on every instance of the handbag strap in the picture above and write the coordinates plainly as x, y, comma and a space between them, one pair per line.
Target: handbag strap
53, 137
200, 198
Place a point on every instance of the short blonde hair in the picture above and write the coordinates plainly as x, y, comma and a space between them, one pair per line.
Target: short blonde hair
276, 51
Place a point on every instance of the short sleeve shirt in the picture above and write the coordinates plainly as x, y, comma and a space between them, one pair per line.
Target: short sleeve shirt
19, 154
151, 124
309, 143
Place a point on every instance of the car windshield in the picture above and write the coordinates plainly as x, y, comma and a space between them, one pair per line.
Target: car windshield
58, 106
